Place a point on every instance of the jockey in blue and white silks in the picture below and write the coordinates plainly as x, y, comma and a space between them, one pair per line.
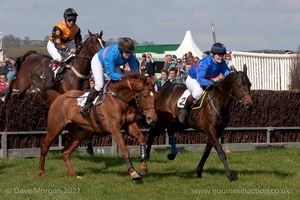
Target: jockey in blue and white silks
205, 74
109, 59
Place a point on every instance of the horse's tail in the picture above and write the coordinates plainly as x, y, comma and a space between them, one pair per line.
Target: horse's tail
49, 96
20, 60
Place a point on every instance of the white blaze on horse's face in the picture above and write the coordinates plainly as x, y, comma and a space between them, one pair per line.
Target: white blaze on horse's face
151, 94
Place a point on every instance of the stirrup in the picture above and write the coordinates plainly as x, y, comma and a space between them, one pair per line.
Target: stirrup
85, 110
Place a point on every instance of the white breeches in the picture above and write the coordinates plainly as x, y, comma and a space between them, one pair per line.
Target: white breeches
97, 70
194, 87
55, 53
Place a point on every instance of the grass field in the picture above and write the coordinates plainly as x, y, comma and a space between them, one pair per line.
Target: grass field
261, 174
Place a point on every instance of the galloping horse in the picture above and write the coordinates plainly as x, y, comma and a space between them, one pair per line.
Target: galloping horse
33, 70
211, 116
118, 111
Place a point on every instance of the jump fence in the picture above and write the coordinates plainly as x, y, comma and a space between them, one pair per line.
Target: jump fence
113, 149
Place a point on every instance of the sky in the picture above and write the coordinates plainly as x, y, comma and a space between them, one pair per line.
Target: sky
241, 25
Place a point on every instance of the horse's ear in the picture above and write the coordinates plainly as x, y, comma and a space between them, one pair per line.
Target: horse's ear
245, 68
232, 68
90, 34
101, 33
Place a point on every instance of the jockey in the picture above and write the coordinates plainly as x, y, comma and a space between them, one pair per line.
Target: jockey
205, 74
110, 58
62, 34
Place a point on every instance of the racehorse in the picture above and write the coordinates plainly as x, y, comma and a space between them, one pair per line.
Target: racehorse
33, 70
117, 111
211, 116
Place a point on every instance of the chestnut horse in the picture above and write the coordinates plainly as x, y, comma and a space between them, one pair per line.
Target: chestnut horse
211, 117
33, 70
117, 111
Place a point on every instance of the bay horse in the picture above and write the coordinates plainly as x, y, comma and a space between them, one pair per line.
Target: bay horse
211, 117
33, 70
117, 111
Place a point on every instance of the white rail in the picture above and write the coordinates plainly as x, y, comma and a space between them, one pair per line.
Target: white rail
265, 71
34, 152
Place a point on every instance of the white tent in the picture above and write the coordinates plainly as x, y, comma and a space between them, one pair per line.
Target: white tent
186, 45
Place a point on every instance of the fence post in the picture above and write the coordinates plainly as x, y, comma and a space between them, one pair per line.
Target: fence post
4, 145
114, 147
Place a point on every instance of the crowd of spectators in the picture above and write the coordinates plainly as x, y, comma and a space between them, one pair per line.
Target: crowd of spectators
175, 70
7, 71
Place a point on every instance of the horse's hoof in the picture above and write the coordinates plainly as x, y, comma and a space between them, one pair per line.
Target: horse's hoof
143, 171
79, 177
171, 156
135, 176
42, 174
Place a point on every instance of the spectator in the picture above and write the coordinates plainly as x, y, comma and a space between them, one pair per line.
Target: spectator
173, 78
59, 44
205, 53
179, 67
142, 66
11, 73
168, 61
4, 68
288, 52
227, 58
3, 82
162, 80
150, 65
186, 72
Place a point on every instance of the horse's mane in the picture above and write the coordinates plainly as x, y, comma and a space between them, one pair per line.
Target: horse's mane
20, 60
132, 75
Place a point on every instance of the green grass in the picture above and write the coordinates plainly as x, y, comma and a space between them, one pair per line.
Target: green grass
264, 174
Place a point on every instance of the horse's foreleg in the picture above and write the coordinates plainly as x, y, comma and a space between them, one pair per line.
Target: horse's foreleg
222, 157
47, 142
134, 131
204, 158
117, 135
77, 135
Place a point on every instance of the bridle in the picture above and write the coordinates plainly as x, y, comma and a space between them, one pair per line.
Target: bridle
135, 97
238, 99
101, 42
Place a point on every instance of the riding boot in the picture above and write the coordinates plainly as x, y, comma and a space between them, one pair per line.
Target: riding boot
183, 113
85, 110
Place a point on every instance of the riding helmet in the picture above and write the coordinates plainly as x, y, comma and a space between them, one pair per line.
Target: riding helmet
126, 44
70, 12
218, 48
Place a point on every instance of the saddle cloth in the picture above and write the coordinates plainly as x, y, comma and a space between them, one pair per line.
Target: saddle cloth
181, 101
82, 99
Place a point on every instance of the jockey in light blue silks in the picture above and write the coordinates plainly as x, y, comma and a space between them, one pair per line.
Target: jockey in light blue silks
205, 74
109, 59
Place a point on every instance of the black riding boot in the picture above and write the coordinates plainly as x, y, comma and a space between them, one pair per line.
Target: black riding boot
183, 113
85, 110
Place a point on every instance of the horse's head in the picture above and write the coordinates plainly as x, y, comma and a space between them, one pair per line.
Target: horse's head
239, 87
146, 95
93, 44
